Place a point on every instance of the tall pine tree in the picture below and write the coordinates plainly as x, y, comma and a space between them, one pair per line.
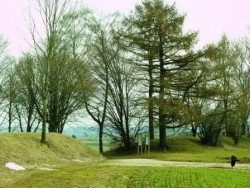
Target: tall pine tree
155, 34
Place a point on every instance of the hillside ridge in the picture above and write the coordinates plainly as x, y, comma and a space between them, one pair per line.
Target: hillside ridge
26, 149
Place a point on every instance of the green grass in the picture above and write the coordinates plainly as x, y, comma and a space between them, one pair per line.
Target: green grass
96, 175
60, 153
26, 149
190, 149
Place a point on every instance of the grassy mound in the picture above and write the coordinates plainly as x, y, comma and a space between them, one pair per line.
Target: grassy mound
190, 149
26, 149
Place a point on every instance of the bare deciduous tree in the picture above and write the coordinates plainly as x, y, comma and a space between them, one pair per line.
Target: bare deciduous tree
61, 76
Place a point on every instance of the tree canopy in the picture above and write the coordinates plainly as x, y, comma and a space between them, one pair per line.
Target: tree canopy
130, 74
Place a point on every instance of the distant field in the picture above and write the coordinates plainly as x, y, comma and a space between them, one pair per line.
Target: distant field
95, 144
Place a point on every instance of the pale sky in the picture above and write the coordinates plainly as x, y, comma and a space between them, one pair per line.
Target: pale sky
211, 18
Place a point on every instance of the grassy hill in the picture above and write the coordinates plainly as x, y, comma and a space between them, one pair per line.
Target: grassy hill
190, 149
27, 150
193, 150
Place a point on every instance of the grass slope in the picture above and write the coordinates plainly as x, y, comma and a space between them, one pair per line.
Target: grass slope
26, 149
191, 149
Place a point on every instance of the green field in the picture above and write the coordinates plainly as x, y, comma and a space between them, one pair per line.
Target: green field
96, 175
66, 162
93, 144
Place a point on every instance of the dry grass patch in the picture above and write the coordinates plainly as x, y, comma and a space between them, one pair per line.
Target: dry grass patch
26, 149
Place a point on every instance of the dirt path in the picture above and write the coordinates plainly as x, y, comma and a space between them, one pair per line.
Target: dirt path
159, 163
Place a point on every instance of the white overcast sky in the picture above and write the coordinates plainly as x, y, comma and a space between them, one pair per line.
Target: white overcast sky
211, 18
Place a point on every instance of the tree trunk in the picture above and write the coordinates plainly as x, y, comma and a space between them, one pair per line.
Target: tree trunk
127, 144
43, 137
162, 130
100, 138
194, 131
162, 126
151, 103
29, 123
52, 127
28, 128
243, 128
10, 116
217, 137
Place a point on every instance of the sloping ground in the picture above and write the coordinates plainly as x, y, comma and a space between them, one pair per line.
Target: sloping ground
26, 149
190, 149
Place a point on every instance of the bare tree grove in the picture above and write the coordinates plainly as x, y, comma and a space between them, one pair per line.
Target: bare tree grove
134, 73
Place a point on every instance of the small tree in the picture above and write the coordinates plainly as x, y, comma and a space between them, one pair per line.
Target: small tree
100, 55
114, 103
